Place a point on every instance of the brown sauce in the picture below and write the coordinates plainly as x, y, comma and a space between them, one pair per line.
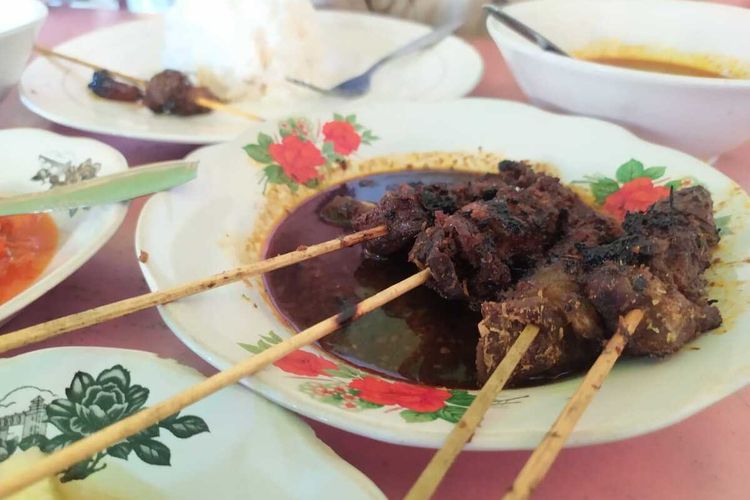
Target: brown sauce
655, 66
418, 337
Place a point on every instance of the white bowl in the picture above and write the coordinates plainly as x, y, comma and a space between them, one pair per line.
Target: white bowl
20, 21
702, 116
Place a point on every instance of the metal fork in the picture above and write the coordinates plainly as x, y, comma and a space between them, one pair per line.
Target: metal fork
360, 84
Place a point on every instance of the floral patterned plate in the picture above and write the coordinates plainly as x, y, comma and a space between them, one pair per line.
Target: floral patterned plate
34, 160
246, 186
232, 445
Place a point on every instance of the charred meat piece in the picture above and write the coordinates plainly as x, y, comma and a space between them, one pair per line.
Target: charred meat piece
410, 208
171, 92
342, 210
104, 85
658, 266
682, 235
670, 318
583, 228
403, 213
570, 328
675, 237
477, 252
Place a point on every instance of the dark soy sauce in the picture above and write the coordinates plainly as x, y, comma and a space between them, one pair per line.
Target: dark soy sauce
418, 337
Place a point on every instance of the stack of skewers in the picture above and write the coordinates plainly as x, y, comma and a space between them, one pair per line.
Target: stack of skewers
553, 280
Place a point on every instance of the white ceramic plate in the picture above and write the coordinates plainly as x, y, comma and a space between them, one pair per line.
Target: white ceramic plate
80, 235
58, 92
231, 445
196, 230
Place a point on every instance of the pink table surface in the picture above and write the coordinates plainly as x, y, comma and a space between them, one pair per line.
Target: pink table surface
705, 456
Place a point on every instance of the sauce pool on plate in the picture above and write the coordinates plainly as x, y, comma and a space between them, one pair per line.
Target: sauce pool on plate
418, 337
27, 245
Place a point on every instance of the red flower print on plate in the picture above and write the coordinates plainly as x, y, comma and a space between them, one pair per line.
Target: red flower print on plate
414, 397
298, 158
634, 188
304, 363
301, 152
634, 196
343, 135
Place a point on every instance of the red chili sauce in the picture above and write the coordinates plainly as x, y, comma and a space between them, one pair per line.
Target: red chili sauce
27, 244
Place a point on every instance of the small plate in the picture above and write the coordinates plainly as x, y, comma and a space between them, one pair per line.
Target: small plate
81, 234
58, 91
223, 218
231, 445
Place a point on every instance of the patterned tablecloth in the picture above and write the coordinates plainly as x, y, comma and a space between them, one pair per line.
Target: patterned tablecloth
706, 456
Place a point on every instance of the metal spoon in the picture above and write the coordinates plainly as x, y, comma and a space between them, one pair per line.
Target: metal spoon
360, 85
523, 30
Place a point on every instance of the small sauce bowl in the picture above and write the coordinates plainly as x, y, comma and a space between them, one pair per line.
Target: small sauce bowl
702, 116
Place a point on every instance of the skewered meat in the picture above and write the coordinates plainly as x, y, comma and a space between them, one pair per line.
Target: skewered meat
527, 250
569, 325
477, 252
674, 239
410, 208
657, 266
171, 92
168, 92
342, 210
104, 85
670, 320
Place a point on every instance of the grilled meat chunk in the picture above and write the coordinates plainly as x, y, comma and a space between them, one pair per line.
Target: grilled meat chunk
410, 208
670, 318
658, 266
106, 86
171, 92
403, 213
675, 237
343, 210
477, 252
570, 328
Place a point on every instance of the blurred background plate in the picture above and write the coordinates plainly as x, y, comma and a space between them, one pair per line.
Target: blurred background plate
352, 41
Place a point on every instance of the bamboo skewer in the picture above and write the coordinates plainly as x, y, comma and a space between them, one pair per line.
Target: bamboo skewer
433, 474
212, 104
545, 453
226, 108
53, 53
90, 445
100, 314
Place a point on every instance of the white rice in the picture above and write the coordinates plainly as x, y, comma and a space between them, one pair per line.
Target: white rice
244, 49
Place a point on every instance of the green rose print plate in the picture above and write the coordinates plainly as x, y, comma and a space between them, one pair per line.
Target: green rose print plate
53, 397
245, 186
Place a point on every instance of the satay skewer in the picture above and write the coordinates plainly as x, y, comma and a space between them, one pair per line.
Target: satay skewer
100, 314
53, 53
464, 429
212, 104
546, 452
104, 438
